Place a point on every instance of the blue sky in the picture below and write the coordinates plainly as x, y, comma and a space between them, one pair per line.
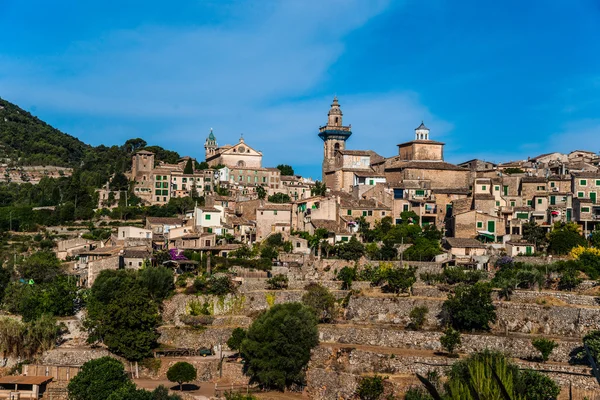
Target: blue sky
493, 80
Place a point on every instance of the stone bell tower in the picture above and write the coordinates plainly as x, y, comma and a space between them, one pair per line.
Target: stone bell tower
210, 146
334, 136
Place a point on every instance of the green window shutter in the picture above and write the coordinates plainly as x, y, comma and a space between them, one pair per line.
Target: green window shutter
405, 207
528, 202
522, 215
344, 239
506, 190
552, 200
349, 212
364, 213
583, 182
552, 184
165, 192
209, 230
497, 188
479, 224
483, 187
497, 204
585, 209
512, 203
597, 182
539, 201
158, 177
580, 194
157, 192
568, 215
419, 193
207, 217
157, 185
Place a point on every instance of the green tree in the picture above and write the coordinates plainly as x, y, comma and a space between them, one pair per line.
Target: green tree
592, 341
181, 372
4, 281
279, 198
98, 379
261, 192
320, 300
119, 182
133, 145
471, 307
269, 252
533, 385
545, 347
189, 167
122, 315
418, 316
320, 189
237, 337
158, 281
351, 250
277, 282
534, 233
450, 340
400, 280
595, 239
347, 275
42, 266
370, 388
277, 348
564, 237
286, 170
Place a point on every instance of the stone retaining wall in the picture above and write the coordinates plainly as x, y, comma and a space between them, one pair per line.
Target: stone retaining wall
381, 336
190, 338
346, 362
512, 317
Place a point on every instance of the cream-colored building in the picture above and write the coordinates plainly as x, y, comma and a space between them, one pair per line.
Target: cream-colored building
238, 155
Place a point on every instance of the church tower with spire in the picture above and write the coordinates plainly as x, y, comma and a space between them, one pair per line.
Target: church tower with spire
334, 136
210, 146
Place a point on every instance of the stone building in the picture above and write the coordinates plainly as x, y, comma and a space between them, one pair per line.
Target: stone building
238, 155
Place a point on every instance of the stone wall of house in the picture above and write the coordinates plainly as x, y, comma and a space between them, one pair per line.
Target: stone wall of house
381, 336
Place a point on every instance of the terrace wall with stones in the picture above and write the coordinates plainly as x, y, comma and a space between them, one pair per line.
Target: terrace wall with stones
512, 317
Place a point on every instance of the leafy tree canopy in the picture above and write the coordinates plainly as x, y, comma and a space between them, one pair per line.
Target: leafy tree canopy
286, 170
471, 307
277, 348
181, 372
98, 379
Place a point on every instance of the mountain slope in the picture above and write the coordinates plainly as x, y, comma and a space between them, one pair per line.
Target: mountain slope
27, 140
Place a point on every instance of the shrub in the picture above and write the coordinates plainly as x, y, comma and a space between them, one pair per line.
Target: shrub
418, 315
370, 388
450, 340
237, 337
544, 346
533, 385
471, 307
400, 280
98, 379
320, 300
277, 282
347, 275
181, 372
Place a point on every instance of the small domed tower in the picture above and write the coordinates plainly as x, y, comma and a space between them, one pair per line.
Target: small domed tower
210, 146
422, 132
334, 136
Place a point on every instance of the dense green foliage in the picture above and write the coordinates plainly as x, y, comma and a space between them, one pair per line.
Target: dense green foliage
26, 340
471, 307
181, 372
564, 237
105, 379
286, 170
351, 250
370, 388
277, 348
418, 316
237, 337
545, 347
279, 198
321, 301
277, 282
347, 275
122, 314
98, 379
450, 340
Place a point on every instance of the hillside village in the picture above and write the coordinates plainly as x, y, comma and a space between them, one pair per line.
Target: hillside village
386, 271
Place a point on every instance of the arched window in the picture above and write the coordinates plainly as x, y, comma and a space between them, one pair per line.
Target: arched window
337, 119
336, 146
241, 163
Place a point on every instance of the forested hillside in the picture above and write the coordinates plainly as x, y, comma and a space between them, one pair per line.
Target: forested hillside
26, 140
